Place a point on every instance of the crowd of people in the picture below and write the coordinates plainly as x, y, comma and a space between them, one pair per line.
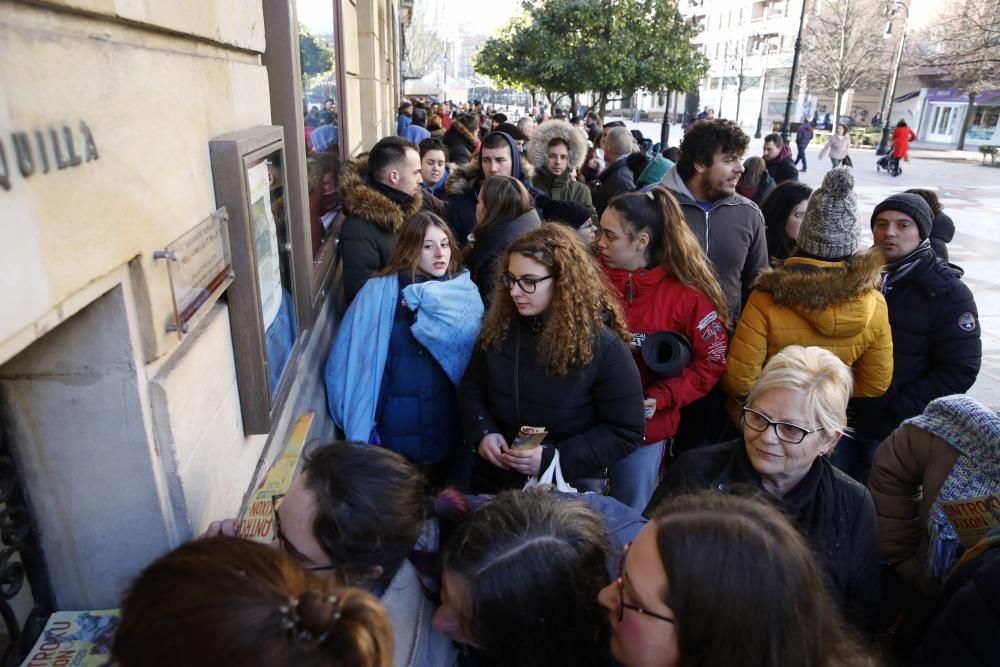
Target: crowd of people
753, 421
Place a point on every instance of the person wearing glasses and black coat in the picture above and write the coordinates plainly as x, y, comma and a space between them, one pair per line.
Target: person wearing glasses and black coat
552, 353
793, 418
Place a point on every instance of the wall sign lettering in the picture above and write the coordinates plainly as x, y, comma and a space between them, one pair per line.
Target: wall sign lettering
42, 151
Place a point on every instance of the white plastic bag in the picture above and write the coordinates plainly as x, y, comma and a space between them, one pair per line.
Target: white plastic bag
553, 476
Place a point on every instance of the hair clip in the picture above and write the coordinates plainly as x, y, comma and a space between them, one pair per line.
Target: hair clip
649, 193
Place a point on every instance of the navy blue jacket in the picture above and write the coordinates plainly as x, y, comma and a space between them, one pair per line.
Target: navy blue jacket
416, 415
936, 347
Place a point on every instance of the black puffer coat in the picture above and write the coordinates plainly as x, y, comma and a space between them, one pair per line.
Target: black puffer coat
835, 514
594, 414
615, 180
936, 347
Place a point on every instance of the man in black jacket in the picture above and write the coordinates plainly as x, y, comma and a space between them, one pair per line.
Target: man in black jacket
617, 177
378, 195
778, 157
936, 343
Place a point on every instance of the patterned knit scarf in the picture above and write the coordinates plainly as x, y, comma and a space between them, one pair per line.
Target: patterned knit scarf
974, 430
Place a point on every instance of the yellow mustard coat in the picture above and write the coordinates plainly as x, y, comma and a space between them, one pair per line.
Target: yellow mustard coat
834, 305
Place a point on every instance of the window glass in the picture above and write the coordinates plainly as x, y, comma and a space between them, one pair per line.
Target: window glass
273, 249
322, 107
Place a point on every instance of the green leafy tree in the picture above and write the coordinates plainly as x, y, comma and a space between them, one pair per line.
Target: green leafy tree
316, 55
605, 46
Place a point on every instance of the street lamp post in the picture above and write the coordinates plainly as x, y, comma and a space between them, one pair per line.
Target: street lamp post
892, 8
763, 86
795, 70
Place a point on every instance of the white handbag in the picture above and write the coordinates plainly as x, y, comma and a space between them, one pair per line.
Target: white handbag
552, 476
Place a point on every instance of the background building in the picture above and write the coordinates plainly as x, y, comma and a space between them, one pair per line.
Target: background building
121, 439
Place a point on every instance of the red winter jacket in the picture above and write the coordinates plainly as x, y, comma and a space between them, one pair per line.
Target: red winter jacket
656, 301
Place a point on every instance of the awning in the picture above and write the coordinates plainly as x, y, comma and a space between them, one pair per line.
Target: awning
907, 96
985, 98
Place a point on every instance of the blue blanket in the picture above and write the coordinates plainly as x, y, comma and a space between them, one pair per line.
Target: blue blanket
447, 321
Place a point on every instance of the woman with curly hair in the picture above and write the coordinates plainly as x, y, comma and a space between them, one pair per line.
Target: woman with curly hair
666, 284
552, 355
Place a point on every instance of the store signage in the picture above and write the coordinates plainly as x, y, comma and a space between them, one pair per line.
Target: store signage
42, 151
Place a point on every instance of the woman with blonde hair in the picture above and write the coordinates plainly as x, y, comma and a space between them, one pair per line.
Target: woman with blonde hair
229, 601
552, 354
504, 211
794, 415
665, 284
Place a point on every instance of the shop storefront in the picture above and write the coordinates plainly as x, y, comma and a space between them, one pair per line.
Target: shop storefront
944, 116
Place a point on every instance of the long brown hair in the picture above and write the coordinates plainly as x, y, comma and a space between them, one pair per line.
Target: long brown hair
737, 567
582, 301
229, 601
504, 198
410, 245
672, 243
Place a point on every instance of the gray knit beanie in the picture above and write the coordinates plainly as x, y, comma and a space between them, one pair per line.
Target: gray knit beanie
831, 227
912, 205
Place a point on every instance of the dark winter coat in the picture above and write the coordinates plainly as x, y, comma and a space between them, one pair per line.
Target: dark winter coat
967, 631
936, 346
371, 227
462, 191
482, 261
416, 416
615, 180
783, 168
461, 143
732, 235
656, 301
834, 513
942, 232
594, 414
804, 135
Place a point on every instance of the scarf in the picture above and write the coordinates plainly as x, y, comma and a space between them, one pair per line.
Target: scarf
974, 430
895, 271
398, 197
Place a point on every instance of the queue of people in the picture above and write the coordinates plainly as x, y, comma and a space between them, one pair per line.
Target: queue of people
706, 381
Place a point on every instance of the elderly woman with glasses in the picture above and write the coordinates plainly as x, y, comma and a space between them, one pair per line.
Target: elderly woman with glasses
719, 580
551, 354
793, 417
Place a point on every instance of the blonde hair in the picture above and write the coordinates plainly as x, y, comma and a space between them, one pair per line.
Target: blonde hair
582, 302
825, 380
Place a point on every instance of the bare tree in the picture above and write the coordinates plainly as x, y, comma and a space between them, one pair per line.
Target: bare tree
737, 66
845, 46
962, 46
422, 44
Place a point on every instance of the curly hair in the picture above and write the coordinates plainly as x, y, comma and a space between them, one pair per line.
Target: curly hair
582, 302
704, 138
672, 243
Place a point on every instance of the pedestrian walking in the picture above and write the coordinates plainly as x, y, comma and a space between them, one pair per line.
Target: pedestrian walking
803, 136
837, 146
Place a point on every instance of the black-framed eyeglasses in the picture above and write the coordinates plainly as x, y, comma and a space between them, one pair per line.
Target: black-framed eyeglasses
622, 605
286, 545
790, 433
527, 285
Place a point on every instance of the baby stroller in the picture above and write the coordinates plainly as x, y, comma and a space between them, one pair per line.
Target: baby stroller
889, 162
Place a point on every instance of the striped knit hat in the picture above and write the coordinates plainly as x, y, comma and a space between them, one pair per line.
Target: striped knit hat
831, 227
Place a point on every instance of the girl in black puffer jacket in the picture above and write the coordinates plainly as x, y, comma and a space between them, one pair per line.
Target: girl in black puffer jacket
551, 354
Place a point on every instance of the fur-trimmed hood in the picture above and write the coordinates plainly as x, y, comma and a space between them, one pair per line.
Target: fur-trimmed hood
461, 131
550, 130
838, 298
469, 176
364, 201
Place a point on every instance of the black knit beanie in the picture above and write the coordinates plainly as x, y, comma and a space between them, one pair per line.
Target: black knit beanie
913, 206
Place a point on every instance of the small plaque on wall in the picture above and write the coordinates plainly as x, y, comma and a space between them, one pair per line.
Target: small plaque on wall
199, 268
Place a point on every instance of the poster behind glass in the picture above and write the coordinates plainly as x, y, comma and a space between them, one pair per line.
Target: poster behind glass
272, 247
317, 51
